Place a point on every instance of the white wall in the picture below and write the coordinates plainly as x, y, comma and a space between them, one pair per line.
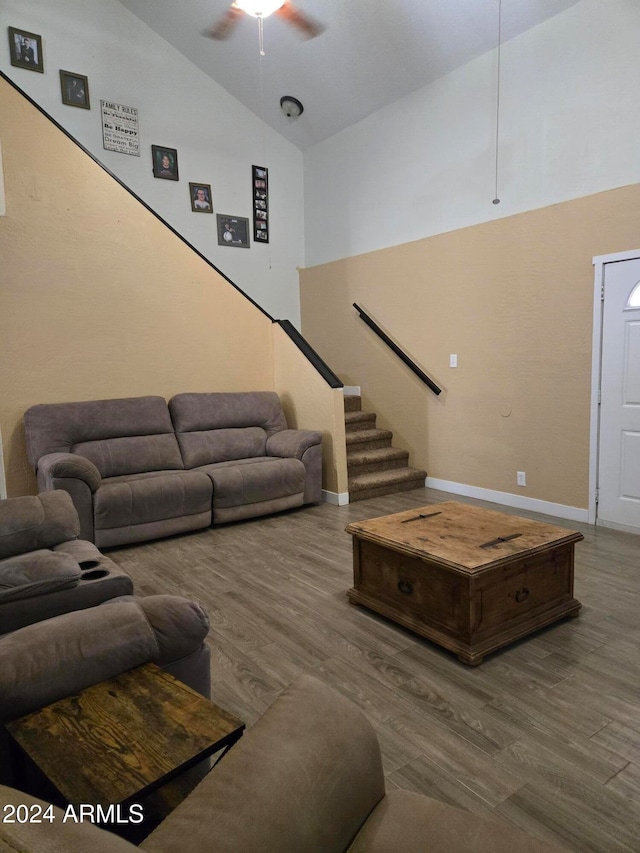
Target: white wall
569, 127
217, 138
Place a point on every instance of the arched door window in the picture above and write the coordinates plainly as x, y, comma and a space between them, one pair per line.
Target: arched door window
634, 299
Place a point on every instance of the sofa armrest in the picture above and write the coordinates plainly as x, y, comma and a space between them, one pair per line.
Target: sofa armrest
49, 660
292, 442
55, 466
305, 777
36, 573
180, 625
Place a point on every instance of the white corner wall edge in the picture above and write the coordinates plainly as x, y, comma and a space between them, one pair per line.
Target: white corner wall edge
572, 513
335, 498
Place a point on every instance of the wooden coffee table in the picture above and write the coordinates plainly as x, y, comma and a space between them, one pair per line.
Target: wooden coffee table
118, 741
470, 579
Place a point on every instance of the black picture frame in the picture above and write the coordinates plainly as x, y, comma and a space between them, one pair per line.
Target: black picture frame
233, 231
26, 50
75, 90
260, 194
201, 197
165, 162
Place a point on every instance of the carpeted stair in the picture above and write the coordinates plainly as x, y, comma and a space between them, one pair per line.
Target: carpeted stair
374, 467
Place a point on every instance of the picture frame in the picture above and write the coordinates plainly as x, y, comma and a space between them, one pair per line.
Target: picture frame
260, 190
75, 90
165, 162
201, 198
233, 231
26, 50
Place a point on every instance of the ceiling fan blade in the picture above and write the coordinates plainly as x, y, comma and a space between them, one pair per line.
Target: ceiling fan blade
306, 26
225, 26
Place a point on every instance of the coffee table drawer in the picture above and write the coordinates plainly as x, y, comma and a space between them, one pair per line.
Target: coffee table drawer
535, 582
409, 582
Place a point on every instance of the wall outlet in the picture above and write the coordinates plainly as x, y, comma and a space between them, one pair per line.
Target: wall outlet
521, 478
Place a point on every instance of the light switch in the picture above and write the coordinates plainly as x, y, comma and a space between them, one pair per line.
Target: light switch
453, 360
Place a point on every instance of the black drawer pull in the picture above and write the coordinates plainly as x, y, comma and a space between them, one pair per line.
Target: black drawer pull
521, 594
405, 587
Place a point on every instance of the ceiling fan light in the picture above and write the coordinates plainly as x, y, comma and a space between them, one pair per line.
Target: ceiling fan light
259, 8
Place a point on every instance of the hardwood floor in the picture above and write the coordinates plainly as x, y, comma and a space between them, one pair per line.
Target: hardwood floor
544, 734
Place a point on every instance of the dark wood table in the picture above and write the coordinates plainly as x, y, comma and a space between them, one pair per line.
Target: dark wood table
471, 579
117, 742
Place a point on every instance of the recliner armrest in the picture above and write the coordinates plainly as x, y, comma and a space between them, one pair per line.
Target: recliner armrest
292, 442
49, 660
59, 465
36, 573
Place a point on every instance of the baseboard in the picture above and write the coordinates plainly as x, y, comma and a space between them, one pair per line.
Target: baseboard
351, 390
623, 528
335, 498
573, 513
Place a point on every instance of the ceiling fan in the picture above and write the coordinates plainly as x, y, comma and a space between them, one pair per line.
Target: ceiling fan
306, 26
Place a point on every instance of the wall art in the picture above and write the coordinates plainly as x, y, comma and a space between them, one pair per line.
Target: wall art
201, 199
75, 90
120, 128
260, 189
233, 231
165, 162
26, 50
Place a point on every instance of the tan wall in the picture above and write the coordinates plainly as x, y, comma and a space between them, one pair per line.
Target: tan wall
513, 299
309, 403
99, 299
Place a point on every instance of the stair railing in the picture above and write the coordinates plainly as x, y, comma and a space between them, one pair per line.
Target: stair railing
399, 352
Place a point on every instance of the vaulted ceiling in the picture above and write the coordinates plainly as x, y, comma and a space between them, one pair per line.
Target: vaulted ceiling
371, 53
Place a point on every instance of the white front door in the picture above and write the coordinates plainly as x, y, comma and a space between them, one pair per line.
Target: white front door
619, 445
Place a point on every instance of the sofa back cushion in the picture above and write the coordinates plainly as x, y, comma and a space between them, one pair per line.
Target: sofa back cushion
220, 427
125, 436
32, 522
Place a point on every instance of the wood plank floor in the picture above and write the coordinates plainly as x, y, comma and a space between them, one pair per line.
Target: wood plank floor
544, 734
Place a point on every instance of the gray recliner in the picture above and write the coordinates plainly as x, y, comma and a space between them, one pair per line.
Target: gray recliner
45, 570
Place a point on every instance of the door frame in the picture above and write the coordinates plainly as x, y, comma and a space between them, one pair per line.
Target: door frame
599, 263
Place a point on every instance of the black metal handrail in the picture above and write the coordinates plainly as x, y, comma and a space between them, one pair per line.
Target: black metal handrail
308, 351
400, 353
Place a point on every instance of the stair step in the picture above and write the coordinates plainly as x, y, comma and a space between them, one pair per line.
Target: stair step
365, 486
357, 421
376, 459
352, 402
368, 438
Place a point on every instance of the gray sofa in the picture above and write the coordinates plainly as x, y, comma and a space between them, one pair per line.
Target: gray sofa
307, 778
138, 469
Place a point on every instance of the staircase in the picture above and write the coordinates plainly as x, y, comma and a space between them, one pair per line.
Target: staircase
374, 467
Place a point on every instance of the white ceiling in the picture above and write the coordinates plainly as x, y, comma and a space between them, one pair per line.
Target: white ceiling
372, 52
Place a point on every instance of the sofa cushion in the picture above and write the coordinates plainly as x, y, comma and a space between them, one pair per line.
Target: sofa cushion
221, 445
36, 521
59, 427
114, 457
250, 481
197, 412
128, 501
